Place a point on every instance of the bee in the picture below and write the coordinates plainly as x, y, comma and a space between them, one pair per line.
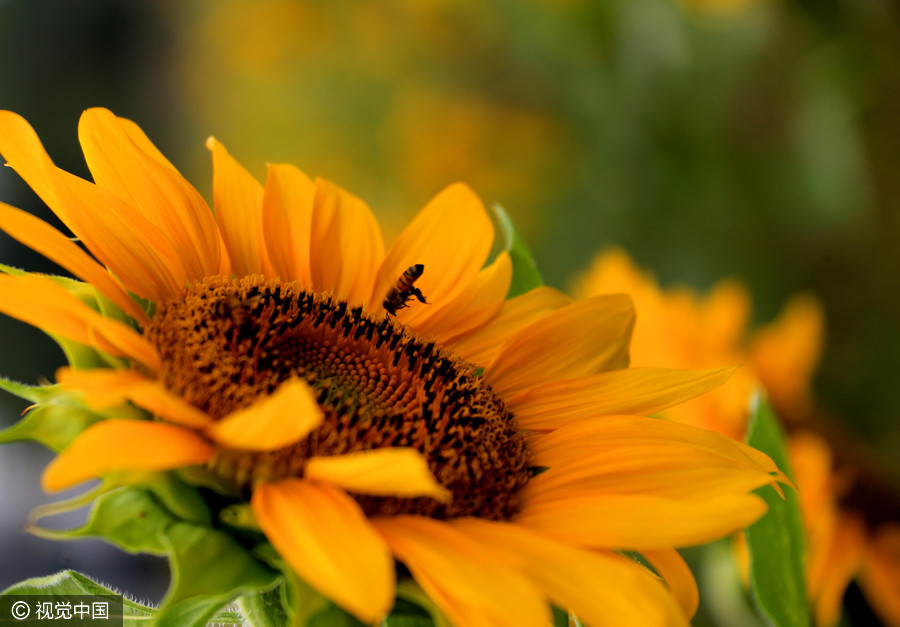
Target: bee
237, 309
404, 290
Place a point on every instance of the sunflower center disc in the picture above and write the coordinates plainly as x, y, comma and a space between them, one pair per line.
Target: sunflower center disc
228, 342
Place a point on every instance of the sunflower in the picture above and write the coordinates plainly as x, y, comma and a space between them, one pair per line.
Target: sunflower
492, 449
851, 514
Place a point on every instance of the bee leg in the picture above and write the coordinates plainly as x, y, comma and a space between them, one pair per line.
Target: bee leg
415, 291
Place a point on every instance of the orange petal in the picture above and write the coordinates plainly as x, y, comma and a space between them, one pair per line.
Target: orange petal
477, 304
481, 344
653, 468
451, 237
123, 445
287, 220
326, 539
43, 303
464, 577
346, 246
43, 238
639, 521
881, 573
383, 471
120, 237
628, 391
123, 166
584, 437
586, 337
678, 577
273, 422
238, 198
785, 353
846, 553
106, 388
600, 588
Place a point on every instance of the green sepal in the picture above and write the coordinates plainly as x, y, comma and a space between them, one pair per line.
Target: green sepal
525, 275
776, 541
300, 602
408, 614
80, 355
86, 357
181, 499
204, 478
409, 590
5, 269
264, 609
130, 518
560, 617
69, 582
54, 422
240, 517
32, 393
209, 571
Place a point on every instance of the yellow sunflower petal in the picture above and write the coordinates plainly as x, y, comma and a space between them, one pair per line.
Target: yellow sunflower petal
119, 164
120, 237
582, 437
678, 577
481, 344
271, 423
136, 134
238, 198
464, 577
674, 472
477, 304
324, 536
346, 247
41, 302
287, 220
586, 337
43, 238
640, 391
639, 521
122, 445
105, 388
785, 353
384, 471
620, 592
451, 237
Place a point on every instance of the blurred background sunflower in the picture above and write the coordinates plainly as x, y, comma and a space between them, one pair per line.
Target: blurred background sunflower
755, 139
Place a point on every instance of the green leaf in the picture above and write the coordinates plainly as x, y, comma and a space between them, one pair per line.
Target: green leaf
209, 570
776, 541
525, 276
69, 582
